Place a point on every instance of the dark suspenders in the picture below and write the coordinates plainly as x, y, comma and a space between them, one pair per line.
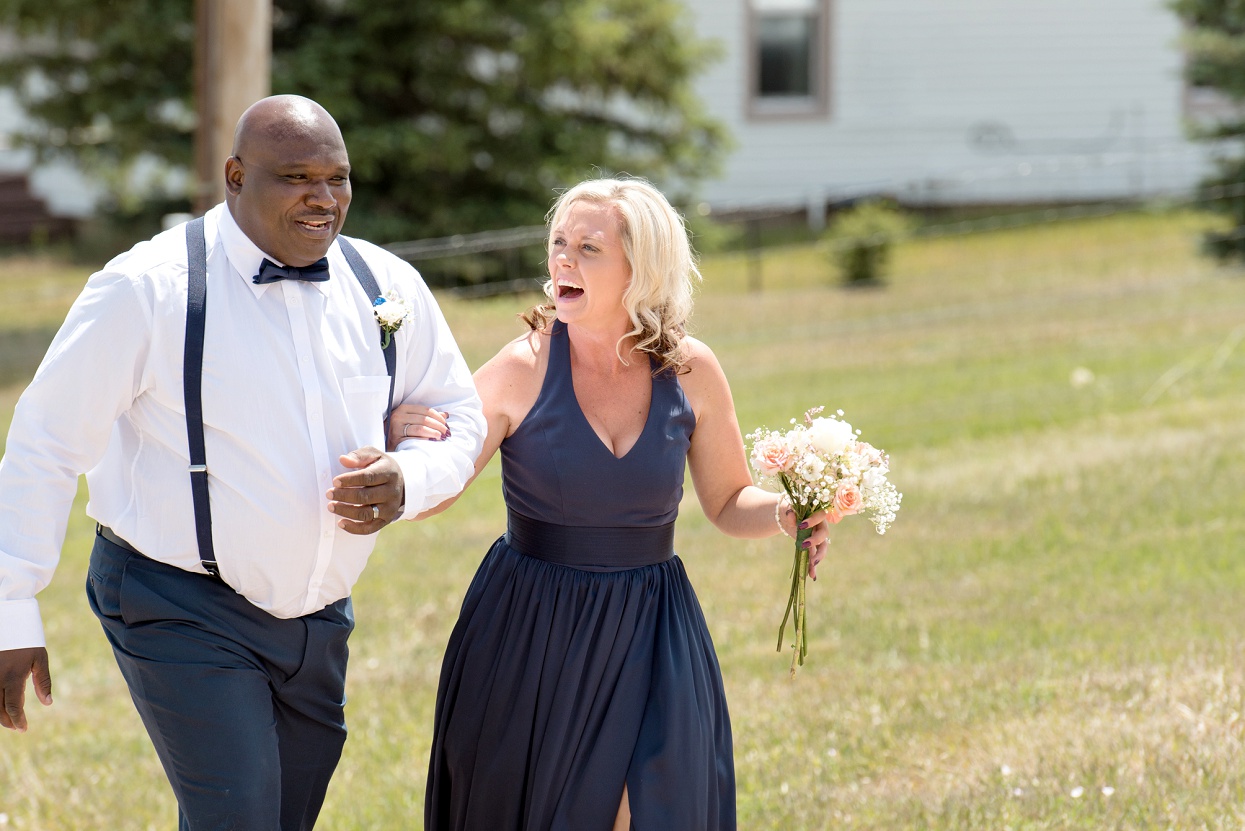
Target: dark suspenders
192, 372
361, 271
192, 385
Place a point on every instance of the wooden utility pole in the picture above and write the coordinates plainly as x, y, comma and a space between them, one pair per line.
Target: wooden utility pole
233, 70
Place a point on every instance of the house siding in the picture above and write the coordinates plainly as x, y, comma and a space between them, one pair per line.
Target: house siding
961, 101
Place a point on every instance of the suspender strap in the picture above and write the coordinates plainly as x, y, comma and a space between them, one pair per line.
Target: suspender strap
364, 275
192, 373
192, 387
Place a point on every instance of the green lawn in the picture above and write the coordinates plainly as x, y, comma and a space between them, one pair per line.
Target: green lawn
1051, 636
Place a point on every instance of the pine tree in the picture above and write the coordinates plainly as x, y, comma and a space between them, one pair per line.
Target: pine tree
459, 115
1214, 42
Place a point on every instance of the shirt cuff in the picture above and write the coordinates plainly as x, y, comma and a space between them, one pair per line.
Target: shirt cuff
429, 475
414, 467
21, 626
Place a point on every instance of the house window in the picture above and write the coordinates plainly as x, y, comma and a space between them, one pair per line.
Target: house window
789, 61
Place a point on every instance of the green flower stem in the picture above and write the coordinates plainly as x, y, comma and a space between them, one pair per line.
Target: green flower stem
791, 597
799, 585
796, 597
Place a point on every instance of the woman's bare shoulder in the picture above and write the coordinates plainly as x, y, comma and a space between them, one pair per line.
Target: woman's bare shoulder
700, 365
695, 349
702, 378
512, 378
526, 353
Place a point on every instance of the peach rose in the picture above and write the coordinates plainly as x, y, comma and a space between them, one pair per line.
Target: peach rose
847, 500
771, 456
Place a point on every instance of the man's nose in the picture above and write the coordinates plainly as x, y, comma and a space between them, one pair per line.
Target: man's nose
321, 195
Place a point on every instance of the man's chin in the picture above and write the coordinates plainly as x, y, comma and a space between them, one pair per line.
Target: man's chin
304, 254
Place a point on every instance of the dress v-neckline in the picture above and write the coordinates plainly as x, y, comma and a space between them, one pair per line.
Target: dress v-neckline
648, 417
600, 441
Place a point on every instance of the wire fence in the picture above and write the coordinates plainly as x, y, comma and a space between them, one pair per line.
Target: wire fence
512, 260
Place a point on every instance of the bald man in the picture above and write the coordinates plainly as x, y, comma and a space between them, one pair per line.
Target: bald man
224, 386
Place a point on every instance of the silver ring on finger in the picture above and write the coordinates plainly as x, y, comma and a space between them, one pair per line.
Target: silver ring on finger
375, 513
405, 427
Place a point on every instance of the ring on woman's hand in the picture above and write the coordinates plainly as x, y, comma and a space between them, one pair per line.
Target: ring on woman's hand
375, 513
404, 433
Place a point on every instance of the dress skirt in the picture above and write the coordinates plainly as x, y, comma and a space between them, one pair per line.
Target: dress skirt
562, 683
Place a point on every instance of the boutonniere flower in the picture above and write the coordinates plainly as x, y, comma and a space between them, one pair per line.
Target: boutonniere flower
391, 312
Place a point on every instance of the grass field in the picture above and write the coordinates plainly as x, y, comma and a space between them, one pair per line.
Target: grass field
1052, 635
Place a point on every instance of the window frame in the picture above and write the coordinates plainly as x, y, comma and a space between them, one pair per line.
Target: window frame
814, 106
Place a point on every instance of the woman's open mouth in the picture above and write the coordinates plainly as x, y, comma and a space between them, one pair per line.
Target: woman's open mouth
569, 291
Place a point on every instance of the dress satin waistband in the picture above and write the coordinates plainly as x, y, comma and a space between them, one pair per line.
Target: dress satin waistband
590, 548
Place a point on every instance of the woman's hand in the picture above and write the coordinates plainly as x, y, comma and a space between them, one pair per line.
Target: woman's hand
818, 543
412, 421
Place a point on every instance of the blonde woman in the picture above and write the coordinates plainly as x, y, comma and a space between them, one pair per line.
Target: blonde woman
580, 688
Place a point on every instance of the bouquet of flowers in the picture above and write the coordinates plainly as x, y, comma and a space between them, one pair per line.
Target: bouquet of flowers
822, 465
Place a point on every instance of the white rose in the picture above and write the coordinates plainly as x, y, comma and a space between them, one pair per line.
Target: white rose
873, 479
830, 435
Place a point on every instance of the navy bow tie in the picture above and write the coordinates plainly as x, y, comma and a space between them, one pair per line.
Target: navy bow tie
270, 272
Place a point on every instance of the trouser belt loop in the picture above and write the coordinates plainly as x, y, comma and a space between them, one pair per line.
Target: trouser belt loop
107, 534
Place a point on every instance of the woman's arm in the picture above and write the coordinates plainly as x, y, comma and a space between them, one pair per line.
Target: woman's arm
508, 384
415, 421
719, 464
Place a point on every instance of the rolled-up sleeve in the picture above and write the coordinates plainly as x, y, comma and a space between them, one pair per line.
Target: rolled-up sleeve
437, 376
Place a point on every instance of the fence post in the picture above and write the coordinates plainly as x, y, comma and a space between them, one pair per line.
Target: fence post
754, 254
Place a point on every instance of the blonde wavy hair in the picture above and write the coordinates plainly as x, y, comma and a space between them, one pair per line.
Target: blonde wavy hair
658, 298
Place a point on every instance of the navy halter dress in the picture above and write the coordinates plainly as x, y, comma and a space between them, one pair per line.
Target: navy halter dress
581, 660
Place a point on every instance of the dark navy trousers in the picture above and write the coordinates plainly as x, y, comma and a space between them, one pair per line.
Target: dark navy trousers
246, 710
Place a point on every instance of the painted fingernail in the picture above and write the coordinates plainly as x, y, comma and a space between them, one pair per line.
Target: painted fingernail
804, 525
806, 544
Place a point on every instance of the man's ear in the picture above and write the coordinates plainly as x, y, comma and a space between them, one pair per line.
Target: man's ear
235, 174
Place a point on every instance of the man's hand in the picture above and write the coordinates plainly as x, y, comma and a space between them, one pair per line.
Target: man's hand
370, 494
15, 666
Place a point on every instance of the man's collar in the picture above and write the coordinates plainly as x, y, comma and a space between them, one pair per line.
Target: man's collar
245, 256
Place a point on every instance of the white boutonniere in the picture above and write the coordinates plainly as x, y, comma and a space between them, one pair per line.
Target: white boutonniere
391, 312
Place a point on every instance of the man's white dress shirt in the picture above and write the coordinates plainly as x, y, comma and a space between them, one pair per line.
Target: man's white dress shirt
293, 377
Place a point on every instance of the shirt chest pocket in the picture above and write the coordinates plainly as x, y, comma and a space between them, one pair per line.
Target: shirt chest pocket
367, 404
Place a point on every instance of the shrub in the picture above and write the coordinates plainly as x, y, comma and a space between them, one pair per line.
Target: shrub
859, 240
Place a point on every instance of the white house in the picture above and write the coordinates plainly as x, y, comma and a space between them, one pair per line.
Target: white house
947, 101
